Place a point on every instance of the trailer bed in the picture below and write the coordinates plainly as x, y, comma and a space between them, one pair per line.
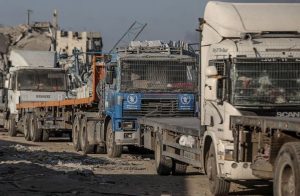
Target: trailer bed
287, 124
184, 125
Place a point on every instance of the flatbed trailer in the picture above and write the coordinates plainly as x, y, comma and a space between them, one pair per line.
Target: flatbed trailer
272, 145
268, 146
176, 141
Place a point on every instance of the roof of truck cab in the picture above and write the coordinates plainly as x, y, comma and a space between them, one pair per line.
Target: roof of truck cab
232, 19
29, 58
155, 56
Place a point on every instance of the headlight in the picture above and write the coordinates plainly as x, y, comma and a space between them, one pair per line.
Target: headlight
127, 125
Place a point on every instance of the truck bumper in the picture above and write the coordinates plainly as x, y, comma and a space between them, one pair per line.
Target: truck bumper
126, 138
236, 171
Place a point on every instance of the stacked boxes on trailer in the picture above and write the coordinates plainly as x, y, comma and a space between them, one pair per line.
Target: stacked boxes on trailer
250, 68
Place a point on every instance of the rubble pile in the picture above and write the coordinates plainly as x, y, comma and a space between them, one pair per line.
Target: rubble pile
30, 37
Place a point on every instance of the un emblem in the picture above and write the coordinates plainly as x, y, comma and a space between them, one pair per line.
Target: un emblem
185, 99
132, 99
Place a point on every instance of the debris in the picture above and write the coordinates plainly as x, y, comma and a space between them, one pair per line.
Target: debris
29, 37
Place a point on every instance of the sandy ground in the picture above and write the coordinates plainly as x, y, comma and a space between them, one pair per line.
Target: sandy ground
53, 168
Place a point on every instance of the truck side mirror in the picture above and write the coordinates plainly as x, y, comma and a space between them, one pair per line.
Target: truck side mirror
109, 79
6, 84
211, 71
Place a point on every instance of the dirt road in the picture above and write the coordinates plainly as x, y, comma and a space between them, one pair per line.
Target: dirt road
53, 168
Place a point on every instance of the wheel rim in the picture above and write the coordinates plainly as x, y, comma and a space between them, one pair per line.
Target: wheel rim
26, 129
31, 127
287, 184
76, 130
157, 154
83, 138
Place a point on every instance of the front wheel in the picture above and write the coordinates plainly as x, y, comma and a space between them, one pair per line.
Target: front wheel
26, 127
75, 134
35, 132
113, 150
218, 186
12, 129
86, 147
287, 170
163, 164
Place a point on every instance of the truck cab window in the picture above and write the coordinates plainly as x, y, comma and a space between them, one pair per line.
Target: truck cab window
221, 85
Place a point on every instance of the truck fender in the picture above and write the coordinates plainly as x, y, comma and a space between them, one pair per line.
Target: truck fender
103, 128
208, 139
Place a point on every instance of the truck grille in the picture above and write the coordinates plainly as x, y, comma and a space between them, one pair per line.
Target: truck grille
158, 107
266, 81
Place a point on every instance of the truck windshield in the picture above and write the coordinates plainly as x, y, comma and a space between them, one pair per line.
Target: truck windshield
262, 82
41, 80
158, 75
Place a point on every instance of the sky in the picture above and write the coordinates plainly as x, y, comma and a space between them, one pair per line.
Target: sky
166, 19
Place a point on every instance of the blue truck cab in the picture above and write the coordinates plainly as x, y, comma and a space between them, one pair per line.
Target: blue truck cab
147, 81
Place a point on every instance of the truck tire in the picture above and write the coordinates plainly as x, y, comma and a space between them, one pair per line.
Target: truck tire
12, 129
163, 164
178, 168
85, 147
287, 170
217, 185
75, 134
26, 127
35, 132
113, 150
45, 136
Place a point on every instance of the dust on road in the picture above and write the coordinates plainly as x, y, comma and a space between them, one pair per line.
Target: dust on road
53, 168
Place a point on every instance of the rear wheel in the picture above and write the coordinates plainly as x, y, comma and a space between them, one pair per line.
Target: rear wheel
35, 132
113, 150
12, 129
287, 170
26, 127
163, 164
85, 146
75, 134
217, 185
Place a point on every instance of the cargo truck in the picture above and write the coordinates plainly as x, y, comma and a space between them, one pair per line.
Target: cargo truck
143, 79
249, 84
32, 77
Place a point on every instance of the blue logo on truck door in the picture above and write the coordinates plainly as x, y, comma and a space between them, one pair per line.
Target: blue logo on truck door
132, 102
186, 102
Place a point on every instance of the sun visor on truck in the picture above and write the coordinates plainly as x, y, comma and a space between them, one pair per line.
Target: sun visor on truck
29, 58
233, 19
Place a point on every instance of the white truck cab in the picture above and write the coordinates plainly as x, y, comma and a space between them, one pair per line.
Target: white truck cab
33, 77
250, 65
